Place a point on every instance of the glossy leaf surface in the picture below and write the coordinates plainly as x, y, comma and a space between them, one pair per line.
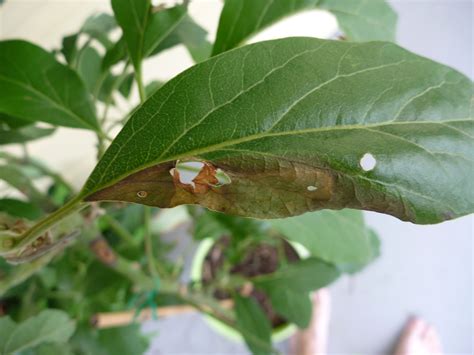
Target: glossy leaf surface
35, 87
359, 20
290, 122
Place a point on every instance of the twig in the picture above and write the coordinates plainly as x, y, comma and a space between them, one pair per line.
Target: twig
115, 319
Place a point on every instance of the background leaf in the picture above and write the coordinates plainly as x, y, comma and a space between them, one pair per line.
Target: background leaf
127, 340
89, 65
144, 29
21, 209
35, 87
289, 121
289, 287
337, 237
48, 326
215, 225
360, 20
23, 134
192, 36
250, 317
303, 276
296, 307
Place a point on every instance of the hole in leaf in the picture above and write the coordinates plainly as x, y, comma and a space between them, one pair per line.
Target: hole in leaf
368, 162
190, 172
311, 188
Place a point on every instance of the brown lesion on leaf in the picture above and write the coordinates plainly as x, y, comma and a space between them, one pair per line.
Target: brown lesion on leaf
257, 188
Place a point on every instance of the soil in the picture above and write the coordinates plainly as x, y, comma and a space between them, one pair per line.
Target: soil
263, 259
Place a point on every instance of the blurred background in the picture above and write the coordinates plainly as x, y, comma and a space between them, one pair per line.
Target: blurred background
423, 270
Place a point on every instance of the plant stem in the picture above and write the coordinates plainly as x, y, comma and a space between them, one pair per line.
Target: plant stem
141, 88
149, 242
120, 230
49, 221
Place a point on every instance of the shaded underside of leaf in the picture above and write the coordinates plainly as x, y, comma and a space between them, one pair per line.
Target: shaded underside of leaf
360, 20
289, 122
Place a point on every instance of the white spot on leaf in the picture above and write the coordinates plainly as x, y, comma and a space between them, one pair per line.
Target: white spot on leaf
368, 162
311, 188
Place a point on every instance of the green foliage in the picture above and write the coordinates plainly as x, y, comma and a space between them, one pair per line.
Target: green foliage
50, 326
143, 28
289, 287
54, 93
337, 237
126, 340
251, 318
360, 21
23, 134
296, 307
21, 209
304, 276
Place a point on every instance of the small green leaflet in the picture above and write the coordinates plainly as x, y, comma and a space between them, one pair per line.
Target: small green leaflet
290, 122
35, 87
360, 20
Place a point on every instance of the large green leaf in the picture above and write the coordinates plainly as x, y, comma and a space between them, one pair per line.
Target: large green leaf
250, 317
337, 237
290, 121
143, 27
50, 326
360, 20
35, 87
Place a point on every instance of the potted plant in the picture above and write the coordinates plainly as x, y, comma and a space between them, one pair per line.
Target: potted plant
271, 146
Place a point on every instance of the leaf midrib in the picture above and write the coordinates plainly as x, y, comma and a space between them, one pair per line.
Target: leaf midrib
221, 146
